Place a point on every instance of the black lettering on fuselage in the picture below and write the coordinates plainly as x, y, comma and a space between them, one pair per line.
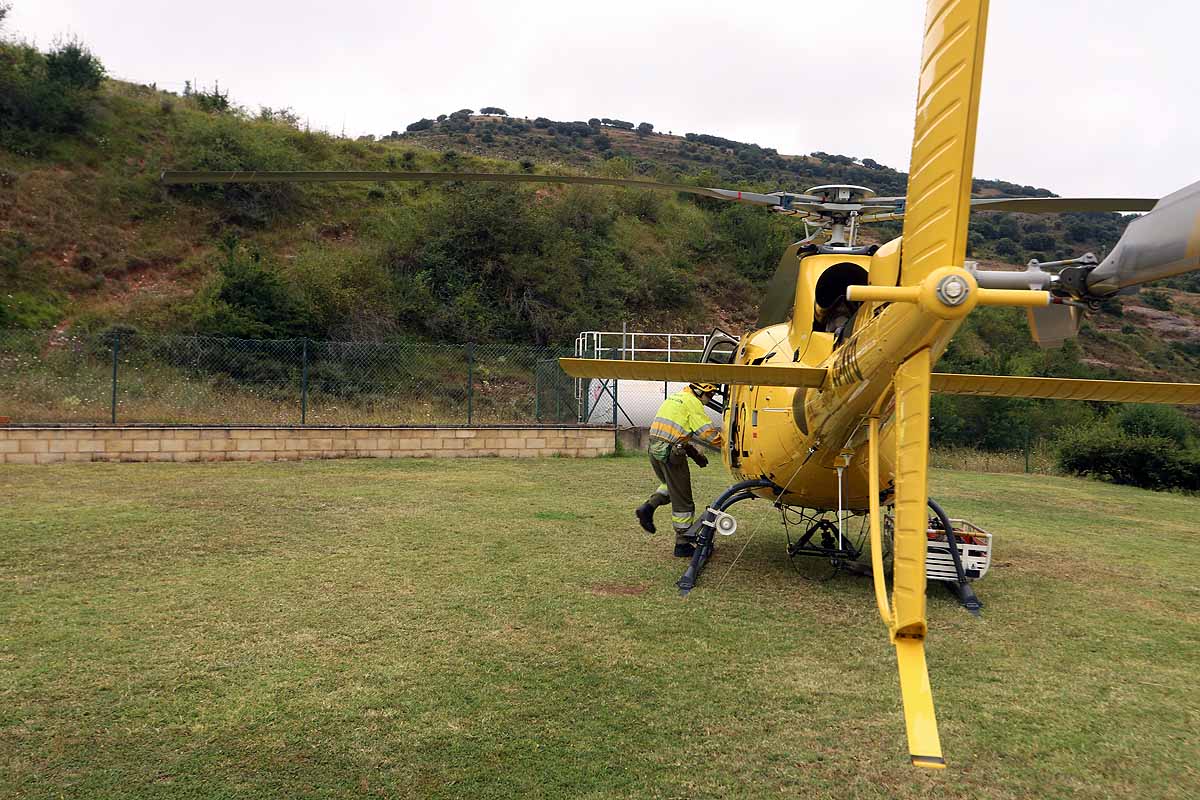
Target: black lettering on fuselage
845, 366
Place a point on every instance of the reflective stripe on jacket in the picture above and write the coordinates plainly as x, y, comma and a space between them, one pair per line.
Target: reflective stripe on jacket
681, 418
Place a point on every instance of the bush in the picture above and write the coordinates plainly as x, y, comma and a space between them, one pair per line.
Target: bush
1007, 248
45, 95
1157, 298
72, 64
230, 143
212, 101
420, 125
249, 300
1166, 422
1108, 453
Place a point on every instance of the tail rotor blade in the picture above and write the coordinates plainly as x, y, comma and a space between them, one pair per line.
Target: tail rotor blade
1160, 244
943, 150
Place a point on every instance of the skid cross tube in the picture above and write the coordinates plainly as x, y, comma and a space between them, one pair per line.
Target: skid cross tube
704, 532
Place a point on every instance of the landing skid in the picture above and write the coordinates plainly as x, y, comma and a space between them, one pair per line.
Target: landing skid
704, 532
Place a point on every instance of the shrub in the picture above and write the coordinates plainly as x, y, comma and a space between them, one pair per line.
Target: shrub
1157, 298
213, 101
249, 300
1166, 422
1108, 453
72, 64
230, 143
1039, 241
1007, 248
45, 95
422, 124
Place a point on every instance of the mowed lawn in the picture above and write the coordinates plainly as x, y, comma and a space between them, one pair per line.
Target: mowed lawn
500, 628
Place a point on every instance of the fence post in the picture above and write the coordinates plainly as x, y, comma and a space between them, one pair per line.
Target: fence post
616, 434
116, 348
470, 379
537, 389
1026, 443
304, 382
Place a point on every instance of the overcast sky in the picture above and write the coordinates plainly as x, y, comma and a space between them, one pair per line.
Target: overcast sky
1081, 97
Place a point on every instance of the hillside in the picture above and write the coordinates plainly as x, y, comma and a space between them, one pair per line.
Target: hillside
89, 239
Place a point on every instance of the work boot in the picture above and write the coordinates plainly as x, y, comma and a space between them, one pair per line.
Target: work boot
685, 550
645, 517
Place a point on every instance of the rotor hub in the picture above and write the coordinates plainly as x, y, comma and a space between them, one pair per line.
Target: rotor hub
953, 290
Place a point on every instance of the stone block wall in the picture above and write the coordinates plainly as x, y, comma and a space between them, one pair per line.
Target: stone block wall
60, 444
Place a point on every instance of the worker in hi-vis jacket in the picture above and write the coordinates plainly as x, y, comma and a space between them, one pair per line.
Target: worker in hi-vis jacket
681, 423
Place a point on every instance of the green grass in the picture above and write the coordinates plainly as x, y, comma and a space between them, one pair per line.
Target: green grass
498, 628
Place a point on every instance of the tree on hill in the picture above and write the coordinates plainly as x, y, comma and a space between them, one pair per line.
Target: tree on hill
420, 125
645, 128
622, 124
45, 94
493, 111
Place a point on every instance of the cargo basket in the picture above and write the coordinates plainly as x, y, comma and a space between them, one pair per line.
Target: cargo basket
974, 547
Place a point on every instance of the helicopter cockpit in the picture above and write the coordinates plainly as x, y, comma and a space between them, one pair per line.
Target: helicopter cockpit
833, 313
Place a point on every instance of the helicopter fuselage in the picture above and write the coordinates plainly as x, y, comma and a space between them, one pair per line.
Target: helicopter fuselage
798, 438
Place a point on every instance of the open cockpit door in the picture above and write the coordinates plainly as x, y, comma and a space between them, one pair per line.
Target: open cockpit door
721, 348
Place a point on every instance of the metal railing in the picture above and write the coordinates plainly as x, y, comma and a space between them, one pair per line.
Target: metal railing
631, 403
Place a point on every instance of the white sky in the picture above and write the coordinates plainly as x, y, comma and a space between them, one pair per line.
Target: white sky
1084, 97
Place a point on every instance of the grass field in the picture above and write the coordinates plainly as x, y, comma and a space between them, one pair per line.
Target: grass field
494, 628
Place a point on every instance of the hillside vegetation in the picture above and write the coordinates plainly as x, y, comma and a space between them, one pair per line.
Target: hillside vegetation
90, 241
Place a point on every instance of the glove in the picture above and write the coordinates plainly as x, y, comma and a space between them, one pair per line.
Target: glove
695, 455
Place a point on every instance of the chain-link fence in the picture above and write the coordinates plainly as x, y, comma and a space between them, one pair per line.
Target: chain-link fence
144, 378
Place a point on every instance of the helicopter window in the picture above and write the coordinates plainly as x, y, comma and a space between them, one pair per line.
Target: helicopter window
721, 348
833, 312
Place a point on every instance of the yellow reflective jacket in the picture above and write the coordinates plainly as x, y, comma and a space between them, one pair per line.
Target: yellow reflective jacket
681, 419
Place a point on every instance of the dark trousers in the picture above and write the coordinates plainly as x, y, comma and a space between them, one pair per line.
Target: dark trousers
675, 487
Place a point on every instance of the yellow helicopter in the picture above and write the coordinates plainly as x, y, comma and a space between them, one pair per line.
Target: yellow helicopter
826, 403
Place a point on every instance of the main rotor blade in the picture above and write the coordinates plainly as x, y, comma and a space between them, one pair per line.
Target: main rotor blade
736, 195
1049, 205
1160, 244
1029, 205
1068, 389
943, 149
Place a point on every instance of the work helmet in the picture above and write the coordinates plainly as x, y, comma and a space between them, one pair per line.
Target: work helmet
702, 388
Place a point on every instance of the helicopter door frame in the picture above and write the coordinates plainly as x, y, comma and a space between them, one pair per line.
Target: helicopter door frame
721, 348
